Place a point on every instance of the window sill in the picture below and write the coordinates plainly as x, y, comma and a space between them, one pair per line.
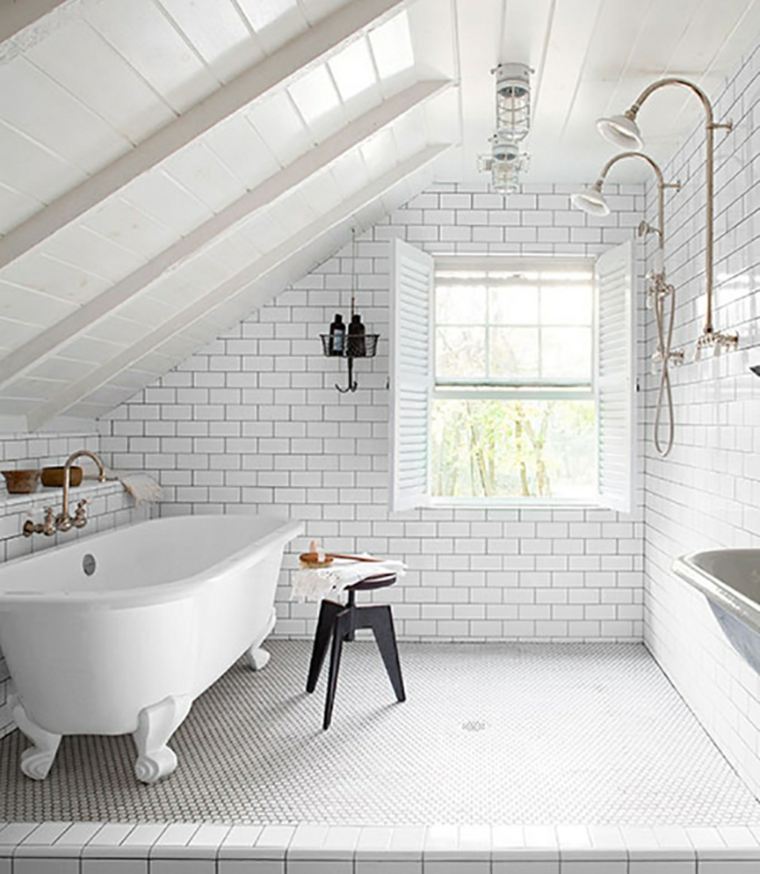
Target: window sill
515, 503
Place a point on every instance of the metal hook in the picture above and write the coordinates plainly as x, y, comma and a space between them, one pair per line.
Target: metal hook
352, 383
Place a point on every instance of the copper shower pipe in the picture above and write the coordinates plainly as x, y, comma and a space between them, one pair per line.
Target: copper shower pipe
710, 127
661, 185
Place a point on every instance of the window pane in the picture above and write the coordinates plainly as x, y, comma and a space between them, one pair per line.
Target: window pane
460, 353
513, 352
566, 305
460, 305
566, 353
513, 449
514, 305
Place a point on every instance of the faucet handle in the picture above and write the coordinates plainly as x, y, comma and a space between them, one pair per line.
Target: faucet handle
48, 523
80, 515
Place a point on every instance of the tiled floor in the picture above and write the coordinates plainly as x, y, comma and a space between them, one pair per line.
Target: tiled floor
496, 733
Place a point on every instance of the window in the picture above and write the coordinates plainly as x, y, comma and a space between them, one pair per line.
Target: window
512, 378
513, 412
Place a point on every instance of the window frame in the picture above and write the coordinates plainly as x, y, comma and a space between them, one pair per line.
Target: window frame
516, 389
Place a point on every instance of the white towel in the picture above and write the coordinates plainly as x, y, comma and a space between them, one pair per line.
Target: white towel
141, 486
313, 584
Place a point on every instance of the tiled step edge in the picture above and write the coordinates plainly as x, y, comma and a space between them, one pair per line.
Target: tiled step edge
214, 848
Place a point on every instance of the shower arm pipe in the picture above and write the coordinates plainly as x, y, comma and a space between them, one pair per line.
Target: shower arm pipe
710, 128
661, 186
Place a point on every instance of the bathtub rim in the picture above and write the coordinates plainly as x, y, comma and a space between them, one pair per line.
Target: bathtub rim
284, 530
719, 592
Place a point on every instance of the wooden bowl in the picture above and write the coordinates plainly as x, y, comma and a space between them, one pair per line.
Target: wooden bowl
53, 476
21, 482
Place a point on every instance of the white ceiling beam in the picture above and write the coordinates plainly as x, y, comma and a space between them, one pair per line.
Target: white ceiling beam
290, 177
274, 72
231, 288
17, 15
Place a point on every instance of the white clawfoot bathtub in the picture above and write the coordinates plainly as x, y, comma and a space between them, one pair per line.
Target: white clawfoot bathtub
120, 632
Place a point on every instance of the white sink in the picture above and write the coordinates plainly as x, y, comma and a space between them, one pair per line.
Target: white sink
730, 579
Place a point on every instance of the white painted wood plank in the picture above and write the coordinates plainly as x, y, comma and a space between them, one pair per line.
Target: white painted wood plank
31, 306
238, 145
317, 101
199, 170
119, 220
274, 21
32, 169
371, 127
276, 71
353, 70
165, 201
55, 279
106, 82
74, 393
15, 206
279, 125
15, 16
219, 34
14, 334
34, 104
150, 43
82, 247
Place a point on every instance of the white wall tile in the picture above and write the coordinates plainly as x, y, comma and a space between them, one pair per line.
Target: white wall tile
284, 437
705, 494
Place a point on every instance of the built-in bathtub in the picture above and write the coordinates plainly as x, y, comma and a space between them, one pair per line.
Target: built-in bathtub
730, 580
120, 632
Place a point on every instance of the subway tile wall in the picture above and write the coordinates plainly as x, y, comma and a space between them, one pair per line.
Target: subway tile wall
707, 492
253, 422
109, 506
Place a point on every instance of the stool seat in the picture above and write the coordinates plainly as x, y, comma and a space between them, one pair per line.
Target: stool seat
378, 581
338, 623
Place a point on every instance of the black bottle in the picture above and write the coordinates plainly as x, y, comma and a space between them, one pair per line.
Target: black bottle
357, 345
337, 336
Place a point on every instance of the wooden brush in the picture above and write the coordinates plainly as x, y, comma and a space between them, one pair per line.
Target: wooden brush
315, 558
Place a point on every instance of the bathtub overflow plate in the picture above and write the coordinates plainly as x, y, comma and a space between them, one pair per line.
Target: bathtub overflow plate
89, 564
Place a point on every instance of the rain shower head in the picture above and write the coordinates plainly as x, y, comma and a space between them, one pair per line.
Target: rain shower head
591, 200
621, 130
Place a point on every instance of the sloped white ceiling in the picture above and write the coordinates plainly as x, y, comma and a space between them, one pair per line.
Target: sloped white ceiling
166, 164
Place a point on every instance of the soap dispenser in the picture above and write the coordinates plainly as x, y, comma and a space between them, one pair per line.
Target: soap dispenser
337, 336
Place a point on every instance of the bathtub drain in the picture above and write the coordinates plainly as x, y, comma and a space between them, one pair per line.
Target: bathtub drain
89, 564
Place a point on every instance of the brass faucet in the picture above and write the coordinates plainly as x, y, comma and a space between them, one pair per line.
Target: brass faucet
63, 521
46, 527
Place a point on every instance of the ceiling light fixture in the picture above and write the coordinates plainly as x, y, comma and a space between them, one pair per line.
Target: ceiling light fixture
507, 160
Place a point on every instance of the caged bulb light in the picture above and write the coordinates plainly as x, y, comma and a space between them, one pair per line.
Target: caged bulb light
507, 161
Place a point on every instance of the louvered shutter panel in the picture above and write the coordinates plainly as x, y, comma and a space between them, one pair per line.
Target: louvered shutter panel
411, 374
615, 377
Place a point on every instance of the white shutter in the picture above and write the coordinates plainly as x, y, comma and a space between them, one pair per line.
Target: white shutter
615, 377
411, 374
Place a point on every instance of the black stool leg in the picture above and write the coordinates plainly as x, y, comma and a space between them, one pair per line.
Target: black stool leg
327, 614
341, 627
351, 604
380, 620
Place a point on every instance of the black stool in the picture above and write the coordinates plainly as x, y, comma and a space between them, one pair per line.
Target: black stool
340, 622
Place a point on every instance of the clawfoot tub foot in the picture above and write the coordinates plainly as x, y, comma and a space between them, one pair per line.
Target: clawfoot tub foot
155, 725
36, 761
256, 657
